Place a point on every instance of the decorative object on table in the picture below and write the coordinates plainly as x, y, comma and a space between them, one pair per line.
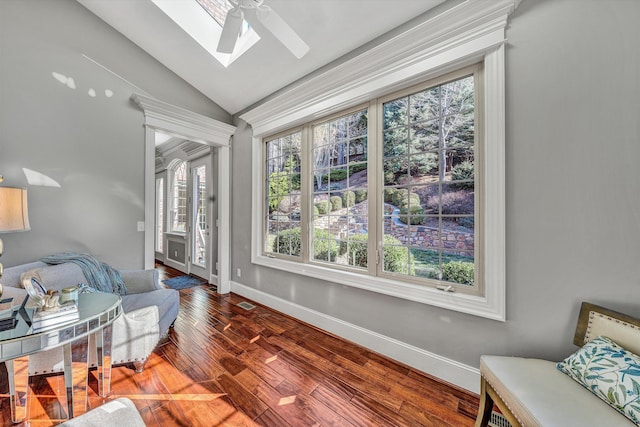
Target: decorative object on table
14, 215
183, 282
34, 288
69, 294
51, 301
50, 316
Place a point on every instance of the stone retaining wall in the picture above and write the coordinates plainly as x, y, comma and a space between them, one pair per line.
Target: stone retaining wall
354, 221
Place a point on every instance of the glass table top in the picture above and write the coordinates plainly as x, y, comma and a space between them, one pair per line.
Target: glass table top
17, 335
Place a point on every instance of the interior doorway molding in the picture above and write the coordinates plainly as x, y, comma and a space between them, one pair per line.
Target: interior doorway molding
182, 123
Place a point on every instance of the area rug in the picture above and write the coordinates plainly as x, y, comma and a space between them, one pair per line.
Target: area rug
183, 282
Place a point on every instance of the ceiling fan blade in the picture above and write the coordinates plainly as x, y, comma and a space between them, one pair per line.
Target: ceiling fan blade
230, 30
283, 32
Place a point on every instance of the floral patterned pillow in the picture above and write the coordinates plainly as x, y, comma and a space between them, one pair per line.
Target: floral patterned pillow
610, 372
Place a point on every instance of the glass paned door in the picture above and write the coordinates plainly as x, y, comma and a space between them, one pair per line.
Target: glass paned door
201, 217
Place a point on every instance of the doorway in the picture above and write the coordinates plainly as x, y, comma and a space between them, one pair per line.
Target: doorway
177, 121
185, 210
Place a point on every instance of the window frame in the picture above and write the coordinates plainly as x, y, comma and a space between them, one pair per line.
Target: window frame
375, 185
173, 209
308, 197
265, 226
477, 70
468, 33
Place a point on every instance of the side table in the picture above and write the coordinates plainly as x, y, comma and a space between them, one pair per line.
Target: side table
97, 313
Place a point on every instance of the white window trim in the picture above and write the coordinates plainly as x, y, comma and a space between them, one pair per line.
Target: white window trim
465, 34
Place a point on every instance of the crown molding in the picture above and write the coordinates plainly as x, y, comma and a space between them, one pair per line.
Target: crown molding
181, 122
459, 35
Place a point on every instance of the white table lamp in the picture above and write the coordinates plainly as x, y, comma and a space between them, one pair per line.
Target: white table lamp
14, 215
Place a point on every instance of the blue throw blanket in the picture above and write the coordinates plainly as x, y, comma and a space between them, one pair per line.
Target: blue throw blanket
100, 276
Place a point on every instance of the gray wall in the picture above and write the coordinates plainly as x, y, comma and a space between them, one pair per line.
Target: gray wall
92, 146
573, 194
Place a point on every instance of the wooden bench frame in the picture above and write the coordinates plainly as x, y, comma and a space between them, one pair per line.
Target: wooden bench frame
488, 395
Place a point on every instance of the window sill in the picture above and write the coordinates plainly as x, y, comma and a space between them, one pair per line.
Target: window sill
475, 305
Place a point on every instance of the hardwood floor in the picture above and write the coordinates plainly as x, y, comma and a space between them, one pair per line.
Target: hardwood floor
222, 365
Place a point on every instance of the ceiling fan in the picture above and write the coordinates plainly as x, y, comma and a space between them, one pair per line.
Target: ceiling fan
264, 15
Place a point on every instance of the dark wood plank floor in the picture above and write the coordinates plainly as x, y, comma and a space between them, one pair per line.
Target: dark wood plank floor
222, 365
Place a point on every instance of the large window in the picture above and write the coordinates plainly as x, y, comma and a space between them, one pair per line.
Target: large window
422, 228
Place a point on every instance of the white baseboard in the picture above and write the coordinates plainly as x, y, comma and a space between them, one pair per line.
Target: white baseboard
433, 364
176, 265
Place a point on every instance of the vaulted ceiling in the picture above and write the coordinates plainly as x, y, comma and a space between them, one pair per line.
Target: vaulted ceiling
331, 28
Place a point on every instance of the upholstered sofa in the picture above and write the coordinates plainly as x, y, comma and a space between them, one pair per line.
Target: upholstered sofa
593, 387
148, 308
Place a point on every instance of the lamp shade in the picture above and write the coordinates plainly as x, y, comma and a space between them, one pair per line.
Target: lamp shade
14, 215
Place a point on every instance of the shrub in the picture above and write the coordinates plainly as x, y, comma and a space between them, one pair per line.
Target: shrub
316, 212
411, 199
399, 194
348, 198
413, 215
336, 203
453, 203
389, 178
324, 247
357, 167
279, 186
295, 182
463, 172
324, 207
288, 242
357, 249
334, 175
395, 257
388, 194
361, 196
458, 272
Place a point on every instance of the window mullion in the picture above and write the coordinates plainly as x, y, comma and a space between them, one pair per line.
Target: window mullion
306, 184
374, 186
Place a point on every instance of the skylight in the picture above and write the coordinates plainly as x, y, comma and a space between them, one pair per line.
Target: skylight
203, 20
216, 8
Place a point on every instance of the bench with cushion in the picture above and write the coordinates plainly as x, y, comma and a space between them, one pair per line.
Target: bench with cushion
599, 385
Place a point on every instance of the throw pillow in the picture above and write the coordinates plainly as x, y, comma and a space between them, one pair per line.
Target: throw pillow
608, 371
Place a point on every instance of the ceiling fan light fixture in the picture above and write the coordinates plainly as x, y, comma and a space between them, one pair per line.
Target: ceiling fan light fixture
265, 16
231, 30
281, 30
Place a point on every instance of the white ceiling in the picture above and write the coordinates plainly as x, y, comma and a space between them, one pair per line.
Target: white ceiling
331, 28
